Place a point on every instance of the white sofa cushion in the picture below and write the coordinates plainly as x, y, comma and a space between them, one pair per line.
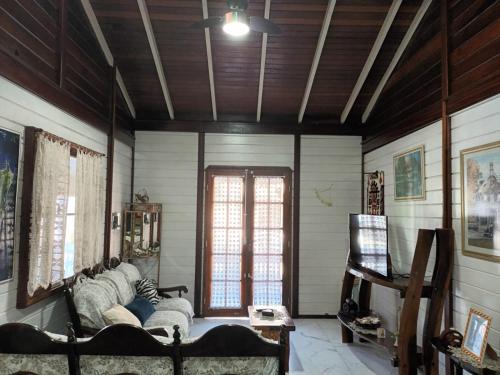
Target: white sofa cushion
130, 271
181, 305
167, 320
120, 283
92, 298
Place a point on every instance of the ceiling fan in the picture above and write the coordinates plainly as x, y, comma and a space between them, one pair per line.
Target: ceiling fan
235, 21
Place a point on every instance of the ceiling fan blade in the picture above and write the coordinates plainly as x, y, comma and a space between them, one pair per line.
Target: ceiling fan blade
263, 25
208, 22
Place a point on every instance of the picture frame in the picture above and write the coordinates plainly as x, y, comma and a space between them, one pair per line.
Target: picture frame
409, 174
476, 332
10, 156
480, 201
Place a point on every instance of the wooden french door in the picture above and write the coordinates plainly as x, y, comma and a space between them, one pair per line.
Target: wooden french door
247, 239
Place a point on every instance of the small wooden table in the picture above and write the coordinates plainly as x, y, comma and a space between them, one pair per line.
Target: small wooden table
271, 326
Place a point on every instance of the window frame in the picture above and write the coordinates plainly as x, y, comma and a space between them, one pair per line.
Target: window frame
23, 298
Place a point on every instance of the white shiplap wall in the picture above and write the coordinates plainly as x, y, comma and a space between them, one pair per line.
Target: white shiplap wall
476, 282
249, 150
19, 108
122, 175
324, 231
406, 217
166, 164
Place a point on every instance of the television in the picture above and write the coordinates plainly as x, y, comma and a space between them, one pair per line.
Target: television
368, 244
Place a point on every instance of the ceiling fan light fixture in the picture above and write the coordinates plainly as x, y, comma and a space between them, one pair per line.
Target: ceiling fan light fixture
236, 23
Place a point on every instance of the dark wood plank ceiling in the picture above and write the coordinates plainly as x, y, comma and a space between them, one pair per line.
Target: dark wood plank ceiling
353, 30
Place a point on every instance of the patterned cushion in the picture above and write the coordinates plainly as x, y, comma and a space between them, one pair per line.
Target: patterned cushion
120, 283
91, 299
46, 364
147, 289
230, 365
106, 365
181, 305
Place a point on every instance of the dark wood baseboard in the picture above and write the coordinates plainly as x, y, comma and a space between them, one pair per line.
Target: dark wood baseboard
318, 316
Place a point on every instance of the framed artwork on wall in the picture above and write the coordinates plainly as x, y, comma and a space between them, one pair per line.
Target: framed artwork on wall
375, 193
409, 174
480, 188
9, 164
476, 334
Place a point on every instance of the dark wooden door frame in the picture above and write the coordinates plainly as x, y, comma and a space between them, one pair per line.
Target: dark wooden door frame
247, 297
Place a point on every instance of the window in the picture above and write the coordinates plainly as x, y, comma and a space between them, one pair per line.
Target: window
63, 195
69, 243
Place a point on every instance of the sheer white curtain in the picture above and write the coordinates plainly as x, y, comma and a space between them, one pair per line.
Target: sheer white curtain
89, 213
48, 216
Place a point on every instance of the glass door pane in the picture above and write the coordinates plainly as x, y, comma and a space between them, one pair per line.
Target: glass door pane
227, 243
267, 242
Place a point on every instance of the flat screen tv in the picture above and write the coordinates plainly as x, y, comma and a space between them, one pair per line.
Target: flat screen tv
368, 244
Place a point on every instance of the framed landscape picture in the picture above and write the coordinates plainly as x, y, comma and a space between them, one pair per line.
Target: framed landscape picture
9, 163
409, 174
480, 185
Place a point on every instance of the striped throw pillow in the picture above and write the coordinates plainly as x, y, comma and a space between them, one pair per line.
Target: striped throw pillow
147, 289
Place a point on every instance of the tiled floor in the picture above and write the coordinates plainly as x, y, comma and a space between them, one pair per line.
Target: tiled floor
317, 349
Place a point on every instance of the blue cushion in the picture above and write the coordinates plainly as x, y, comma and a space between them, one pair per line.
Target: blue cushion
141, 308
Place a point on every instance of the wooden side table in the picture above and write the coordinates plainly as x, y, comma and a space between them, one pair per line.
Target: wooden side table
271, 327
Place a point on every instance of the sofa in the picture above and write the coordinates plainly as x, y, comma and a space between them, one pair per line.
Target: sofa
119, 349
89, 296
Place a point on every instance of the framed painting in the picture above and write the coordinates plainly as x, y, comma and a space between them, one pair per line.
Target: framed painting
480, 188
9, 164
476, 334
409, 174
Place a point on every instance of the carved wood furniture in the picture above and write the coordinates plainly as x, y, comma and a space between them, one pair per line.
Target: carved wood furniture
271, 328
27, 349
123, 348
407, 356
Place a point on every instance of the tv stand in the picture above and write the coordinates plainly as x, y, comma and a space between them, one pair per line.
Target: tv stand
406, 355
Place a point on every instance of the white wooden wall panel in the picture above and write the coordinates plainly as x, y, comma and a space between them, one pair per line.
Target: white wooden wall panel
406, 217
19, 108
249, 150
476, 282
122, 175
166, 164
324, 231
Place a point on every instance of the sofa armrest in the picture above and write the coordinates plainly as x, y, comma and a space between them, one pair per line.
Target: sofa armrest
157, 331
180, 289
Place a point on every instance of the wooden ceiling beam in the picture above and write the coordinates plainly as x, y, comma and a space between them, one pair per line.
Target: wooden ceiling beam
209, 61
146, 20
94, 23
235, 127
377, 45
399, 52
317, 56
263, 52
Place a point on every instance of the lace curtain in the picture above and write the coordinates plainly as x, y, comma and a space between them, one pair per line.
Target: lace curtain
89, 213
48, 217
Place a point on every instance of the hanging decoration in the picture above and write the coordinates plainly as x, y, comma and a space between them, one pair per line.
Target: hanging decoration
375, 193
325, 196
